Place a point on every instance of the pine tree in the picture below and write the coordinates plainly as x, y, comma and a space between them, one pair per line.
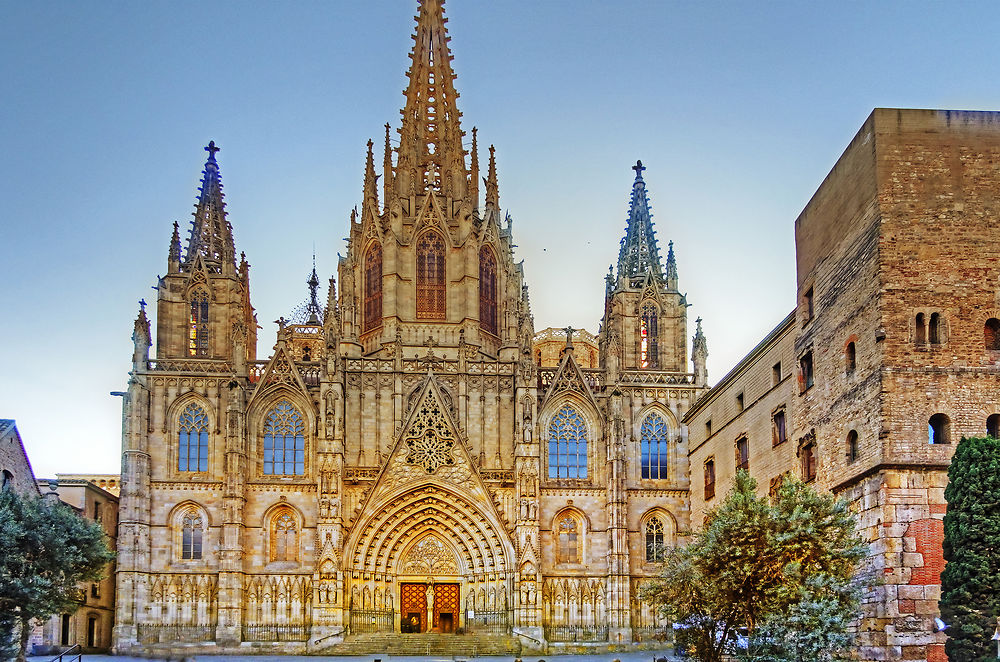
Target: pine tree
46, 550
970, 583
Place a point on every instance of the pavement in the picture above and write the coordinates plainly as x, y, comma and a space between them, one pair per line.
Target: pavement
637, 656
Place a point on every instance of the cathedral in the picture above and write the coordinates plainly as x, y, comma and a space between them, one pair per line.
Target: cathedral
406, 461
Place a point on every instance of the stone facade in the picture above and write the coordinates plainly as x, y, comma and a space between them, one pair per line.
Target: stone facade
15, 469
896, 349
91, 624
402, 462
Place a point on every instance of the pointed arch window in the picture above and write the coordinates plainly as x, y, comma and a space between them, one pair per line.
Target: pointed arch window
569, 543
654, 540
284, 537
198, 325
567, 444
192, 439
648, 348
654, 435
430, 276
487, 290
191, 535
284, 441
373, 288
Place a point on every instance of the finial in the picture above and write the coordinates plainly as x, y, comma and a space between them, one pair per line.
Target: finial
212, 149
569, 336
142, 306
638, 167
492, 187
281, 322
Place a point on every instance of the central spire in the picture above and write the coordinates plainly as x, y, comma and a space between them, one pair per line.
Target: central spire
639, 254
211, 235
430, 154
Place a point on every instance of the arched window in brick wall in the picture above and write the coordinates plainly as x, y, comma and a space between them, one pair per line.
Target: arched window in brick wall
654, 437
935, 329
192, 439
487, 290
939, 429
991, 333
993, 426
850, 358
431, 288
284, 441
372, 310
920, 329
648, 331
198, 324
852, 447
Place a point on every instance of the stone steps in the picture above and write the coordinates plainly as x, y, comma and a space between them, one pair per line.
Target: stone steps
457, 645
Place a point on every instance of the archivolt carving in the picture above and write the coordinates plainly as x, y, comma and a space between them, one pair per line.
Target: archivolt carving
429, 556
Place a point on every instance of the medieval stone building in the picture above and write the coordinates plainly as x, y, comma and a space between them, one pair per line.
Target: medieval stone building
402, 462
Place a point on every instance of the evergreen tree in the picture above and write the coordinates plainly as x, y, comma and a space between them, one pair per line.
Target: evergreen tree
758, 565
970, 583
46, 550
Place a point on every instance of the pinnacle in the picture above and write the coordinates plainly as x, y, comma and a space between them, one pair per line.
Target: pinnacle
639, 254
211, 234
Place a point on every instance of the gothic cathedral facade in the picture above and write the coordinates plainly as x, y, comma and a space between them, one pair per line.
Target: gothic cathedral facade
401, 462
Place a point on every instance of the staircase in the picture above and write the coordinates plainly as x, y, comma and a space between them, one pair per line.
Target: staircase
457, 645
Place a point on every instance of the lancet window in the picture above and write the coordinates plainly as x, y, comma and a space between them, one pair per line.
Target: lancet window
569, 545
192, 439
284, 441
284, 537
191, 535
198, 325
648, 349
654, 540
654, 435
567, 444
373, 289
430, 276
487, 290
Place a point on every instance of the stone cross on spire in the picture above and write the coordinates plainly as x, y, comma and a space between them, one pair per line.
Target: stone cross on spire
638, 167
212, 149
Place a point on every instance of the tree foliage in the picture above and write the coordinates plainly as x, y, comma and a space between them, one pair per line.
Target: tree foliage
767, 569
970, 583
46, 550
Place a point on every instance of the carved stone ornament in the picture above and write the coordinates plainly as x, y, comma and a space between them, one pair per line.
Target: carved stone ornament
430, 556
430, 442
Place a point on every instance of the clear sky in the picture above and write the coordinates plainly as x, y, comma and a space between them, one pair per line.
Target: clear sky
738, 110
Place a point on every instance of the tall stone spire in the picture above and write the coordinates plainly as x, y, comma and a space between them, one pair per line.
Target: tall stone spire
313, 308
430, 154
639, 254
671, 268
211, 234
492, 186
387, 168
371, 179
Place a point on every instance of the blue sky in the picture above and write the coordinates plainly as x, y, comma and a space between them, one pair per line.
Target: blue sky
738, 110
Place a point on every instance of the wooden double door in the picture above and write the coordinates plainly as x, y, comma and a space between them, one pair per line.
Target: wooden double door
437, 603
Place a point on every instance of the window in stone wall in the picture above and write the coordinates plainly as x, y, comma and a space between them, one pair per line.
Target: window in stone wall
739, 402
991, 331
648, 344
192, 439
807, 302
709, 479
284, 441
850, 358
284, 536
708, 428
778, 432
935, 329
654, 540
372, 304
567, 444
920, 329
808, 458
192, 528
430, 276
487, 290
852, 447
939, 429
806, 379
776, 374
743, 454
8, 480
198, 325
569, 540
653, 447
993, 425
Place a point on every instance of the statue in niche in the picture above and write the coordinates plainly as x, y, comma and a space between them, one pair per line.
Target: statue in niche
532, 510
524, 509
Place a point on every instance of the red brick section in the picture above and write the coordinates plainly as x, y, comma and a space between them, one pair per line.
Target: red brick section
935, 653
929, 537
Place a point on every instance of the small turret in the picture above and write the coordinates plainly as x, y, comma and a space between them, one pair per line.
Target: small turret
492, 186
671, 268
141, 338
174, 252
699, 354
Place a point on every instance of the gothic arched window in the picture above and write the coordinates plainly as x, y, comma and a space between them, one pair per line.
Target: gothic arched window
372, 309
430, 276
284, 441
567, 444
568, 532
653, 444
487, 290
648, 352
198, 324
284, 537
654, 540
192, 439
191, 535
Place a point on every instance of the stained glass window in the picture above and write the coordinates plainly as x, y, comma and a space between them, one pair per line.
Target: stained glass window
654, 437
284, 537
654, 540
487, 290
430, 276
191, 532
373, 288
567, 444
648, 349
284, 441
568, 550
192, 439
198, 325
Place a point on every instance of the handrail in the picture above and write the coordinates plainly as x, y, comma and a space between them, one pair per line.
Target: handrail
69, 651
526, 636
332, 634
